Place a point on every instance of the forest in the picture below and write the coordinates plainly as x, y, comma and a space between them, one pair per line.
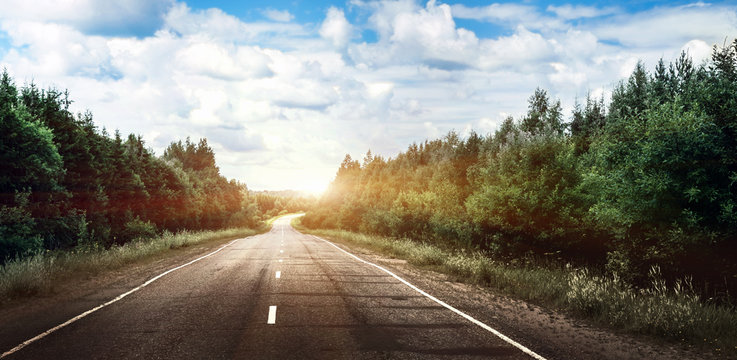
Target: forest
66, 184
646, 178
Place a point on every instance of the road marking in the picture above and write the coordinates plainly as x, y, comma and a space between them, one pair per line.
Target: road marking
280, 260
440, 302
278, 274
272, 315
118, 298
281, 251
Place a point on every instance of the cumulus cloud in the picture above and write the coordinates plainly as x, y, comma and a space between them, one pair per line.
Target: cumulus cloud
417, 35
215, 24
336, 28
519, 50
698, 50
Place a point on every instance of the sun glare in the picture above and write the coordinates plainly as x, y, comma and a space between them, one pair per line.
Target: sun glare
314, 186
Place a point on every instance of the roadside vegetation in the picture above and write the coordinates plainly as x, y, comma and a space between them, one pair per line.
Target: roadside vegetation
675, 312
637, 192
74, 198
38, 274
66, 185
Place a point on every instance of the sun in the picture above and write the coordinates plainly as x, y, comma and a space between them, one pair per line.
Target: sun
314, 186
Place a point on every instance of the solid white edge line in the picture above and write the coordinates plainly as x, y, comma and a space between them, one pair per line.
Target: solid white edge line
118, 298
449, 307
272, 315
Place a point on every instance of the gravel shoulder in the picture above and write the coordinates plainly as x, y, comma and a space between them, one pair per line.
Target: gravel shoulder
551, 333
24, 318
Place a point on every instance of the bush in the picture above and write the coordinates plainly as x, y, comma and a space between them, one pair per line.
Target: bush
137, 229
18, 237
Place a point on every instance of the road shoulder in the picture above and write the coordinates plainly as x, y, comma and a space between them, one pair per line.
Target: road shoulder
550, 333
24, 318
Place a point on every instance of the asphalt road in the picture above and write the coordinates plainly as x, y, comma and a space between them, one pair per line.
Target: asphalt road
324, 304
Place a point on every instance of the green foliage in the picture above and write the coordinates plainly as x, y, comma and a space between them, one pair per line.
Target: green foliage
65, 184
272, 203
543, 116
648, 180
18, 235
529, 188
137, 229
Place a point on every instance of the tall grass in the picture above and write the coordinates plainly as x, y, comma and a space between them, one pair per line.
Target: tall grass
37, 274
673, 312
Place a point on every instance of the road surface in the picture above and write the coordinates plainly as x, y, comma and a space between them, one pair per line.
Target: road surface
286, 295
279, 295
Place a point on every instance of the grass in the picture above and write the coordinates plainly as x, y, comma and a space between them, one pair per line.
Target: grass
37, 275
671, 312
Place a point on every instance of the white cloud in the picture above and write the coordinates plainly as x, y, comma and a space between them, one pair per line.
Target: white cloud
569, 12
49, 49
211, 59
107, 17
336, 28
214, 24
665, 26
509, 14
495, 12
522, 50
417, 35
564, 76
698, 50
278, 15
434, 32
384, 12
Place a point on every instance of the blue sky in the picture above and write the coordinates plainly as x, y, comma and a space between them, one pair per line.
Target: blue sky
283, 90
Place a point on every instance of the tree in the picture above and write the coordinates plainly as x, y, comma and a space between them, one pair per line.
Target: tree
587, 123
543, 116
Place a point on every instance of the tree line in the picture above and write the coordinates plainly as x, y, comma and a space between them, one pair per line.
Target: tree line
64, 183
647, 178
274, 203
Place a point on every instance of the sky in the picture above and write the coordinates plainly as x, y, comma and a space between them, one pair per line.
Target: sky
284, 89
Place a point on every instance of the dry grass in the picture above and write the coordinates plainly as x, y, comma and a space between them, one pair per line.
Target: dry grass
36, 275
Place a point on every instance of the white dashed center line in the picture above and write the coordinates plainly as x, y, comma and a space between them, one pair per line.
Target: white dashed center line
278, 274
281, 251
280, 260
272, 315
